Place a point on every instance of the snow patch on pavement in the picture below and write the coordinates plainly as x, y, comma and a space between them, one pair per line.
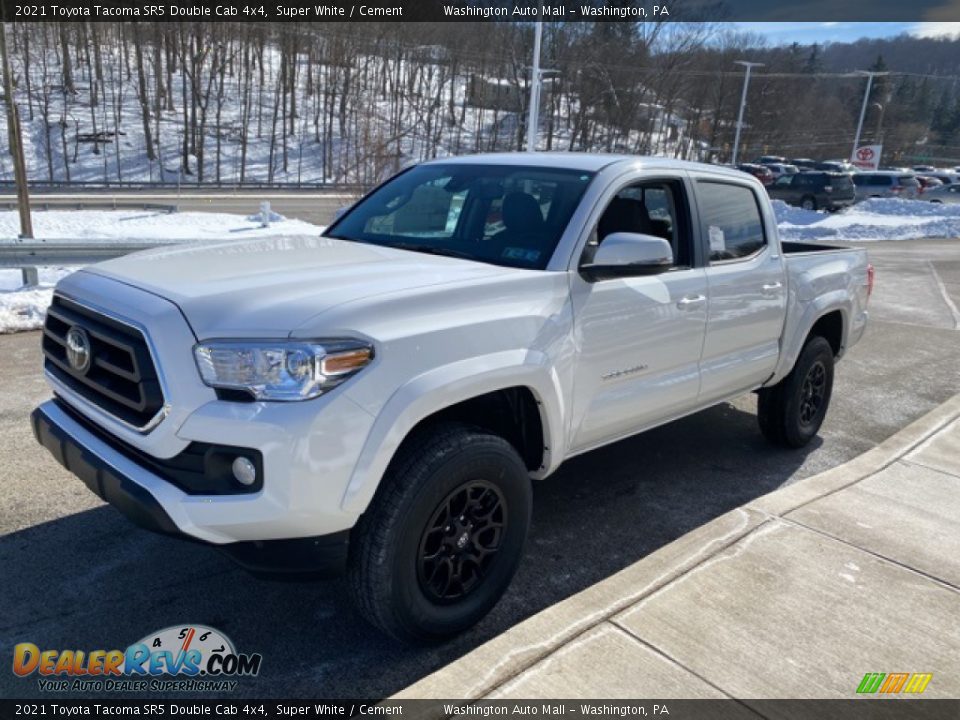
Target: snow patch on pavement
23, 309
871, 220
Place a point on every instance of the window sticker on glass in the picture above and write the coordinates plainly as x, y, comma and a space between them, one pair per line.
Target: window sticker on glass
717, 241
516, 253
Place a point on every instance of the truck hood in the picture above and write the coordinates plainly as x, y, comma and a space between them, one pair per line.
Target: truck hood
268, 287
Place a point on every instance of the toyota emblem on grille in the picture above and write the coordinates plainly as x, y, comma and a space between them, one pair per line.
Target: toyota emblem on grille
78, 349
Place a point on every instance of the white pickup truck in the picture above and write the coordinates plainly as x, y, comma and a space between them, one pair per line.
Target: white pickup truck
379, 398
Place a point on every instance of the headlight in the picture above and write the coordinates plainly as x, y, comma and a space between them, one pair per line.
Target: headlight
280, 369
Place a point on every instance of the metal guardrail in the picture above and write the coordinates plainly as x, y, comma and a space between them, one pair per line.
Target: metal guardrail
41, 203
29, 255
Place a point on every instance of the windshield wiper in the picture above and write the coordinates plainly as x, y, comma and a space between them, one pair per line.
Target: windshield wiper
432, 250
347, 239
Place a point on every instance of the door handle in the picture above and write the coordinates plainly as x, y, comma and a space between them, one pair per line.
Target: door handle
689, 302
771, 288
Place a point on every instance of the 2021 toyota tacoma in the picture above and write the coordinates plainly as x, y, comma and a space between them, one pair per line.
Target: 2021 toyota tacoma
380, 397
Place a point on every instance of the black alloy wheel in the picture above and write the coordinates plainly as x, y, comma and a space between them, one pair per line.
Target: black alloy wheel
460, 541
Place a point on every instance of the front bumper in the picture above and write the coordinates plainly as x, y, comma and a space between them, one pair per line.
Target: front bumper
122, 483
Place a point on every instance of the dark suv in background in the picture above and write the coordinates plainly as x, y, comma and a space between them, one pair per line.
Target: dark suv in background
815, 190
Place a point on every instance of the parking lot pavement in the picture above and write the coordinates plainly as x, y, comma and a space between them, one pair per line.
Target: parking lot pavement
76, 574
798, 594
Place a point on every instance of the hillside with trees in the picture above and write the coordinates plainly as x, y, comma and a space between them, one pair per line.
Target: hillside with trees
232, 103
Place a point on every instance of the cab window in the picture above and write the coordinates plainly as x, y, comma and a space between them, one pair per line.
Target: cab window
651, 208
731, 221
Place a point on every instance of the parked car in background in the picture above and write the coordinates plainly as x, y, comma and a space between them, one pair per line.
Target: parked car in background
804, 163
927, 183
781, 169
841, 166
768, 159
947, 178
815, 190
948, 194
761, 172
886, 183
924, 168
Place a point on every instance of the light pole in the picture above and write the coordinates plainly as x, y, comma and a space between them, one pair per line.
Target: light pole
743, 104
534, 116
863, 108
16, 143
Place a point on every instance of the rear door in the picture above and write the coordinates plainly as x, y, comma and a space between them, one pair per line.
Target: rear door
746, 287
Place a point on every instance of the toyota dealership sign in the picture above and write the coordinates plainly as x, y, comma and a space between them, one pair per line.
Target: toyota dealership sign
867, 157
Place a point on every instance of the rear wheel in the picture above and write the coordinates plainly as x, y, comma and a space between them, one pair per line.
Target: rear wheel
442, 539
791, 412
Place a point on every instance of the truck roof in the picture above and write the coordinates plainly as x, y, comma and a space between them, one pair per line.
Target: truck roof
588, 162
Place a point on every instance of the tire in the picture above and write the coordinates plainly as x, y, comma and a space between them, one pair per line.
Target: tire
808, 203
393, 583
791, 412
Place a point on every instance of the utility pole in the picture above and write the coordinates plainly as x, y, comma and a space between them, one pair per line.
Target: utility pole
16, 146
534, 117
863, 108
743, 104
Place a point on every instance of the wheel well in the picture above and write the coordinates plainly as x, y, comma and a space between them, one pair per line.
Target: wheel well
830, 328
512, 413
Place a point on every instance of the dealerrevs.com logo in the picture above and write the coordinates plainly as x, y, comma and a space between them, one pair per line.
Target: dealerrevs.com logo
179, 658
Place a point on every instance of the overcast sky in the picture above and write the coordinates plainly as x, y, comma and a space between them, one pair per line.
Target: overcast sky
784, 33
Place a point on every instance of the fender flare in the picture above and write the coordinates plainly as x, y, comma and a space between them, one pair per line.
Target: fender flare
837, 300
448, 385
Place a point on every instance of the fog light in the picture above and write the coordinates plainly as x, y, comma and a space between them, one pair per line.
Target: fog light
244, 471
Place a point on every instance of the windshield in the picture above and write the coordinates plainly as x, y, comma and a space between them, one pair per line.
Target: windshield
500, 214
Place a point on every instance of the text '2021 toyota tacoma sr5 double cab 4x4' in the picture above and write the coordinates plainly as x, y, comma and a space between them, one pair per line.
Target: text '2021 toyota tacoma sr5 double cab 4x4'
379, 398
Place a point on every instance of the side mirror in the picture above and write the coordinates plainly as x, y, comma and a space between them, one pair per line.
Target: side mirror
624, 254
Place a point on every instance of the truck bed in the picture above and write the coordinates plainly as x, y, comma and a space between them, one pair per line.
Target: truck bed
794, 248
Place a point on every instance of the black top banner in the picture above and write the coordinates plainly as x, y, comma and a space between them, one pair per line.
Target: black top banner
597, 709
483, 10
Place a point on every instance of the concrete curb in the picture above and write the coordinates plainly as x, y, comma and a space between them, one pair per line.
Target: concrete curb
484, 669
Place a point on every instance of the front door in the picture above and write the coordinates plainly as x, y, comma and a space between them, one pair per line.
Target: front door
639, 338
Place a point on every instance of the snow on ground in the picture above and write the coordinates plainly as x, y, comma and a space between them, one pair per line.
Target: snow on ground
23, 309
149, 225
874, 219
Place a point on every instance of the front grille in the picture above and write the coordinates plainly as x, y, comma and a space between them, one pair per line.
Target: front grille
121, 378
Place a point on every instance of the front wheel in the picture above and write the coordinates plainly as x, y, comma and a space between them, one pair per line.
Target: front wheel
442, 539
791, 412
808, 203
